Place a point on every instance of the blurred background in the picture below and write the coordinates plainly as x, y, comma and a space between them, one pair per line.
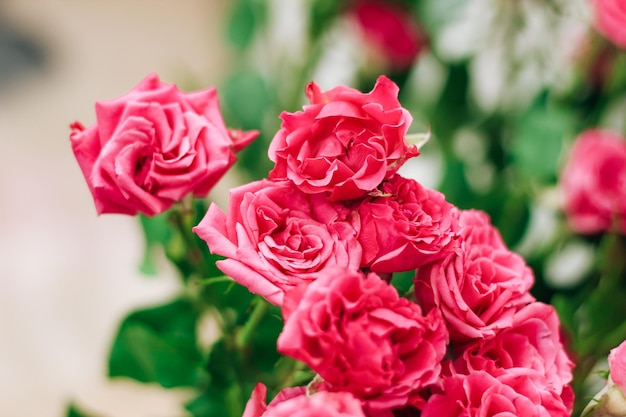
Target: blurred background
504, 86
67, 277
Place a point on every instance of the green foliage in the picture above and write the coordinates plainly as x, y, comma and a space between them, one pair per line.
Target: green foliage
537, 140
246, 18
74, 411
159, 345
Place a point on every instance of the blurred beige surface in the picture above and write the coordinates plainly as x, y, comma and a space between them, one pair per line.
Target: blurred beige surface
66, 276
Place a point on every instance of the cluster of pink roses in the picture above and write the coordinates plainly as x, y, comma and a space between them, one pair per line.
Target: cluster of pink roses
322, 237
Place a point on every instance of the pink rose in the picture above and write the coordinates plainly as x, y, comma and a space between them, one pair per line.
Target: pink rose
345, 142
275, 237
610, 20
361, 337
594, 182
293, 402
480, 394
154, 145
389, 28
611, 400
617, 366
531, 346
480, 286
407, 227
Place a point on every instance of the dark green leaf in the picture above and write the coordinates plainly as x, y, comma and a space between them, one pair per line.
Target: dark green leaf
159, 345
73, 411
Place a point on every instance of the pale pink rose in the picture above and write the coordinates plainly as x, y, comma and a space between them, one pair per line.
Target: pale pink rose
531, 346
480, 394
610, 20
617, 366
345, 142
611, 400
407, 227
361, 337
152, 146
293, 402
391, 30
480, 286
275, 237
594, 182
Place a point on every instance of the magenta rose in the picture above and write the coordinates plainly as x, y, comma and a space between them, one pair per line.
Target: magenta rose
361, 337
480, 286
531, 346
388, 27
275, 237
293, 402
480, 394
610, 20
345, 143
406, 227
594, 183
154, 145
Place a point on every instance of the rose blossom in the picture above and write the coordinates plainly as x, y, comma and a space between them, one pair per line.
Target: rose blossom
390, 29
407, 227
345, 142
293, 402
611, 400
154, 145
594, 182
531, 346
480, 286
610, 20
361, 337
480, 394
275, 237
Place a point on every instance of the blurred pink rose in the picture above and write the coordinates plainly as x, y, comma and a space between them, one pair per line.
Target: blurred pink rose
531, 346
345, 142
480, 394
293, 402
152, 146
361, 337
610, 20
594, 182
275, 237
617, 366
407, 227
480, 286
391, 30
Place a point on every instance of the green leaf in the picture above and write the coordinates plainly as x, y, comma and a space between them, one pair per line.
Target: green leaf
159, 345
538, 139
210, 404
245, 18
323, 13
157, 232
73, 411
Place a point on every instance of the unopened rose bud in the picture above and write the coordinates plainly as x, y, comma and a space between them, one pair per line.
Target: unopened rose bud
611, 401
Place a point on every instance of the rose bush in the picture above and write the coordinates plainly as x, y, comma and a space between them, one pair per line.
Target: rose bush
480, 286
152, 146
407, 227
293, 402
594, 182
275, 237
610, 20
361, 337
344, 143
